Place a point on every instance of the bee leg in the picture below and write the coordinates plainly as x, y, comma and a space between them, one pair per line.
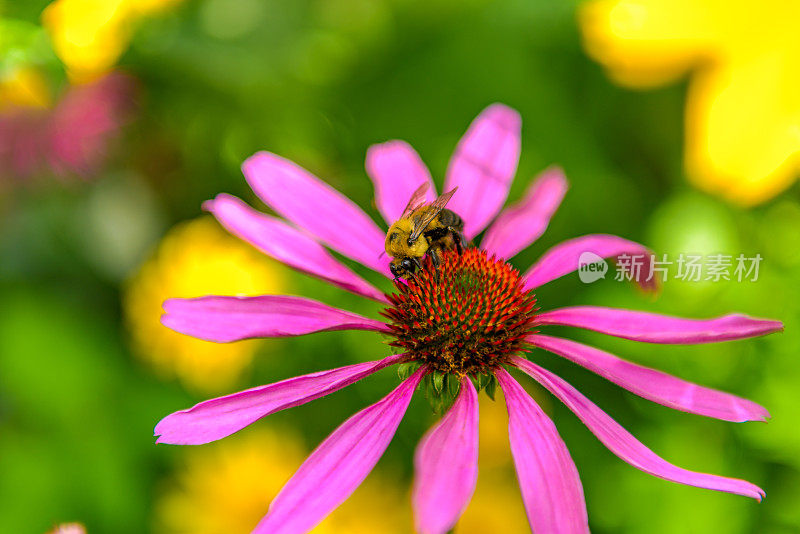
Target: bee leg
459, 242
434, 258
417, 263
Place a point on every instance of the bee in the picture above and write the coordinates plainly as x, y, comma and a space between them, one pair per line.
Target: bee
423, 228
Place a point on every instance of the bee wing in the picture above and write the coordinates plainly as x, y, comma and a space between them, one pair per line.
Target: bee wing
416, 199
430, 214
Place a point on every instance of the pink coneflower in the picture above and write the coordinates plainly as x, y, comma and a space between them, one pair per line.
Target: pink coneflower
456, 327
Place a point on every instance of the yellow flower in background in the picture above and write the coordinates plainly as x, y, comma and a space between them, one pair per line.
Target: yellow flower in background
743, 107
496, 505
226, 488
23, 87
89, 36
196, 258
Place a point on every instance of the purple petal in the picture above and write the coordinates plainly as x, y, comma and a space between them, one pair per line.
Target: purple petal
483, 166
654, 385
655, 328
397, 171
563, 259
548, 478
226, 319
338, 466
446, 465
216, 418
523, 223
287, 244
318, 208
623, 444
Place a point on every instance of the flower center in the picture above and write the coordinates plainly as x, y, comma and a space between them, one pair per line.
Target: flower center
467, 316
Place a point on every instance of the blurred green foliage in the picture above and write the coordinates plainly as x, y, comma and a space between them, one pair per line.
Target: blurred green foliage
318, 82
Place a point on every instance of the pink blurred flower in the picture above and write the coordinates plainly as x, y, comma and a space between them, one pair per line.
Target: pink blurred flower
467, 320
68, 528
70, 139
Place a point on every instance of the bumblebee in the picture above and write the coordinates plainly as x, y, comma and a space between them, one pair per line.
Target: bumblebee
424, 228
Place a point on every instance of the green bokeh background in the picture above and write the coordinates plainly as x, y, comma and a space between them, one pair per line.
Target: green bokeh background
318, 82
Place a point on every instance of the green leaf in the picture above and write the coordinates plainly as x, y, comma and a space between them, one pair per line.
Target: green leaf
428, 388
482, 380
438, 381
441, 390
404, 370
491, 387
453, 385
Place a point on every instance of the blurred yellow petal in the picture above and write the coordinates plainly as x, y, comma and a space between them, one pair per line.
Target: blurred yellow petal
195, 259
24, 87
743, 110
226, 488
89, 36
647, 42
147, 7
743, 126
